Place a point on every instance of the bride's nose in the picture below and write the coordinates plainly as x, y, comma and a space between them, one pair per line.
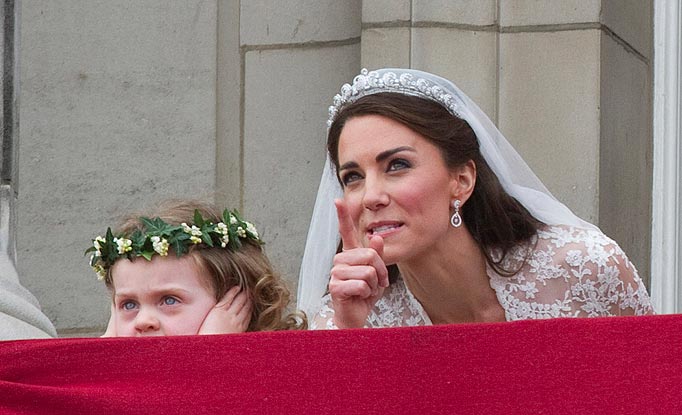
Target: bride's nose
375, 195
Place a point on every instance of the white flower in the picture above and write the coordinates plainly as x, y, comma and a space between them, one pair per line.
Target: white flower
101, 272
574, 258
124, 245
241, 232
98, 247
97, 241
160, 245
225, 240
221, 228
195, 239
251, 229
194, 231
233, 220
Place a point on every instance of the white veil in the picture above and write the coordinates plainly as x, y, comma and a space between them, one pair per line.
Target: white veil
516, 177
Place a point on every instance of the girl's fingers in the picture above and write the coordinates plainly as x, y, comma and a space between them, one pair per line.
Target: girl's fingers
239, 301
229, 296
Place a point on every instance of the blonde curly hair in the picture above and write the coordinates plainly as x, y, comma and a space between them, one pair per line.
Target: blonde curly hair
247, 267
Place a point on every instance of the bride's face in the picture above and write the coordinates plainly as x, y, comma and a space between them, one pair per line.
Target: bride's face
396, 184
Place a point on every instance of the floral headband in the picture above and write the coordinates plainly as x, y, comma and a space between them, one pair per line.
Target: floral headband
158, 236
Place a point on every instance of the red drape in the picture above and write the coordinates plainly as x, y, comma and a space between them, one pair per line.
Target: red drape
607, 365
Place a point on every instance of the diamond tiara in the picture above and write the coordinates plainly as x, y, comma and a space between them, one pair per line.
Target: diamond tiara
370, 82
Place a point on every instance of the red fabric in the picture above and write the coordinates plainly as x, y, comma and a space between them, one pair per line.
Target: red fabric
608, 365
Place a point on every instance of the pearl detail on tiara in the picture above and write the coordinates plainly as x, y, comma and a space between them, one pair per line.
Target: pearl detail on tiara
369, 82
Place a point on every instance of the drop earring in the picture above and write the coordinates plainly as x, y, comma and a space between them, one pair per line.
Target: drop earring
456, 219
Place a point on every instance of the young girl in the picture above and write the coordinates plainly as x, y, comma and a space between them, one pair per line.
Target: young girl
188, 269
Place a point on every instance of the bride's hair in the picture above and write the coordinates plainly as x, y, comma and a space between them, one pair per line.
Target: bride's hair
247, 267
496, 220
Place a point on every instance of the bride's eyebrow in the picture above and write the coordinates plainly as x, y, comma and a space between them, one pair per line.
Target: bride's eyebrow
380, 157
388, 153
349, 165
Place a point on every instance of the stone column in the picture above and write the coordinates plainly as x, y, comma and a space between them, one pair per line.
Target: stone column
293, 60
567, 81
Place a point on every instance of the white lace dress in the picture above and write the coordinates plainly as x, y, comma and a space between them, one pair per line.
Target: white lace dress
572, 272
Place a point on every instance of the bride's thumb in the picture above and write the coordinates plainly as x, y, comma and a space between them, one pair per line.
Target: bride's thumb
377, 243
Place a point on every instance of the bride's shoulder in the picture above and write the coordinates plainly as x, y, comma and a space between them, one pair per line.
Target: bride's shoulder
560, 236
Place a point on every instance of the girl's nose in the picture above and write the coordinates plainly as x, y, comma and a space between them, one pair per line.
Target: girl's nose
146, 321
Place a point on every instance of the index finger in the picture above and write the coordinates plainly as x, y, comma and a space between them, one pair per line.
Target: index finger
347, 231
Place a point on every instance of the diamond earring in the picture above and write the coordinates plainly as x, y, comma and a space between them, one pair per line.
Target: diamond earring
456, 219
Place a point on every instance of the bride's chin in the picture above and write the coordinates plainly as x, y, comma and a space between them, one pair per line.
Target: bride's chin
390, 257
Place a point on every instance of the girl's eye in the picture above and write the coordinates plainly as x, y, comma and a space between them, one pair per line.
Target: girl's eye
350, 177
398, 164
170, 300
128, 305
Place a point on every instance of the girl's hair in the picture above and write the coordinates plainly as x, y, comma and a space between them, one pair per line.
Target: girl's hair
497, 221
247, 267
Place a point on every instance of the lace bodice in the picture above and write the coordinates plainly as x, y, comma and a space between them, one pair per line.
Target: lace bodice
571, 272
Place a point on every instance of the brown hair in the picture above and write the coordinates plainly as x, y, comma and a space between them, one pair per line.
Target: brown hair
247, 267
497, 221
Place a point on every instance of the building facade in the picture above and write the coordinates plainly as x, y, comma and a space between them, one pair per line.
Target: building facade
112, 106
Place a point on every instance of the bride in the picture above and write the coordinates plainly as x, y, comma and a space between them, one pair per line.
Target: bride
441, 221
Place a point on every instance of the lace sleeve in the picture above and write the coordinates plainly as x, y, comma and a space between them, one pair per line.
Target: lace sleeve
397, 307
603, 280
324, 318
573, 272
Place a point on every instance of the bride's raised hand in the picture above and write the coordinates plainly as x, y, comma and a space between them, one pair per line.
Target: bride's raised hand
358, 276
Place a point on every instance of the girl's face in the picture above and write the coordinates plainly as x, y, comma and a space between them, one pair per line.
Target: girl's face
167, 296
396, 184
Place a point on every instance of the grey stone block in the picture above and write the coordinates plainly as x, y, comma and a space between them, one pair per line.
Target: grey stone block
467, 12
375, 11
268, 22
549, 110
632, 21
625, 162
288, 93
467, 58
386, 47
548, 12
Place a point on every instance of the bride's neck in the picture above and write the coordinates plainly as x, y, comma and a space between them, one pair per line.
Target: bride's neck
451, 282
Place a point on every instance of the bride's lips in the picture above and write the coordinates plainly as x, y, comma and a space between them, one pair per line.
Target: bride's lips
383, 229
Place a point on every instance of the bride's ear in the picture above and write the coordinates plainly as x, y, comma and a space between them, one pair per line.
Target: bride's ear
462, 181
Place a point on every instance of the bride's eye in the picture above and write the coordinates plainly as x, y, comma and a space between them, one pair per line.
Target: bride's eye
350, 177
398, 164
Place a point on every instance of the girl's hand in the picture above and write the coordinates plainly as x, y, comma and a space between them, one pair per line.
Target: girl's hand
359, 275
232, 314
111, 327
